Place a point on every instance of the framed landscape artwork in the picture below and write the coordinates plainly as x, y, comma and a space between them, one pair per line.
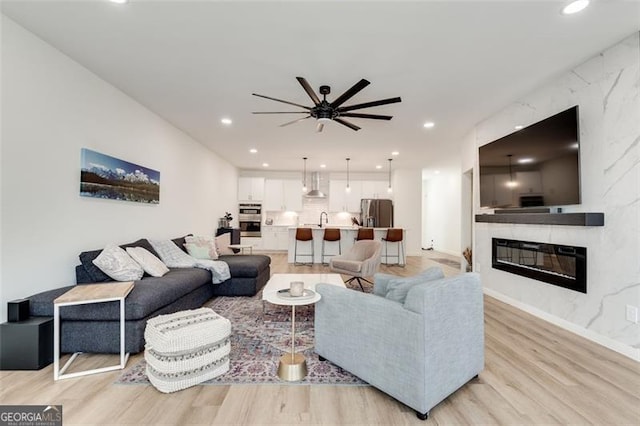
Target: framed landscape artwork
103, 176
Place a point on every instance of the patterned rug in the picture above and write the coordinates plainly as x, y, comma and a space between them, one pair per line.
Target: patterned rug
259, 336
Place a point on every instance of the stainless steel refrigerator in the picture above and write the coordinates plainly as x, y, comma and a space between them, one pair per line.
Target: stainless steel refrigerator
376, 213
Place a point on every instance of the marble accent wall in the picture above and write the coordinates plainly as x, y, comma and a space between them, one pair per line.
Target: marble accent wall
607, 90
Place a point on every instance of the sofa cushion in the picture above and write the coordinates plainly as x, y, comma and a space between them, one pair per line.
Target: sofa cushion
246, 265
346, 264
117, 264
201, 247
222, 244
150, 263
41, 304
397, 288
148, 295
172, 255
96, 275
180, 241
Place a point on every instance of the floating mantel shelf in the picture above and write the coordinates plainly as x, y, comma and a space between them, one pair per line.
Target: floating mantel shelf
573, 219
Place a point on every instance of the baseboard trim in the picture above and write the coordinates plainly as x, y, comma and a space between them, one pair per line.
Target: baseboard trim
605, 341
450, 252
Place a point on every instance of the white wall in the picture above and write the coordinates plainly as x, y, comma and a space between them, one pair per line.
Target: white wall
407, 210
607, 90
442, 211
51, 108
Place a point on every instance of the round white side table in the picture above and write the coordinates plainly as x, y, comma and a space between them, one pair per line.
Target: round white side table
292, 366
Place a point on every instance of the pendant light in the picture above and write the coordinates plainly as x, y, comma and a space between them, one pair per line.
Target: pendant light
304, 175
389, 190
348, 188
511, 183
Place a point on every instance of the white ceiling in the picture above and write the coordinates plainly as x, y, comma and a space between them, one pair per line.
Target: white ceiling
452, 62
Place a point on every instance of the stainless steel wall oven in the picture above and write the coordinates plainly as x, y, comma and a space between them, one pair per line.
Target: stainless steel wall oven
250, 219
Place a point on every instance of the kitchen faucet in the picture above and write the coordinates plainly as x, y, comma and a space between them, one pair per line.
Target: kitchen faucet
326, 218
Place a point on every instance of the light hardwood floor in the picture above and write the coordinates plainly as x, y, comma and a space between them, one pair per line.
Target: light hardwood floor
535, 373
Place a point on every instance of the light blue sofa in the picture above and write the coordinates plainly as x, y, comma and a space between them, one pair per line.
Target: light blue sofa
419, 351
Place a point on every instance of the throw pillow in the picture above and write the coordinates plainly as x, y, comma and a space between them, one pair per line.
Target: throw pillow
222, 244
201, 247
96, 275
117, 264
151, 264
398, 288
171, 254
180, 242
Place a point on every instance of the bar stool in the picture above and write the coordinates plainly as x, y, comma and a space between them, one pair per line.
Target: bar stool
333, 235
303, 234
394, 235
364, 234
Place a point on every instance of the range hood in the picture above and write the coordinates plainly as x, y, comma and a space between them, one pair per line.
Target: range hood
315, 187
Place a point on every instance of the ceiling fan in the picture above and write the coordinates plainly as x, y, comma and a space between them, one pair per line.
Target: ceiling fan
324, 111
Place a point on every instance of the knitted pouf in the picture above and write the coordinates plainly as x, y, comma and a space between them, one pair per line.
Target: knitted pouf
186, 348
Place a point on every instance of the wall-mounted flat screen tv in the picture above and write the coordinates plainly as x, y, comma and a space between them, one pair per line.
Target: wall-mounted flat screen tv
538, 165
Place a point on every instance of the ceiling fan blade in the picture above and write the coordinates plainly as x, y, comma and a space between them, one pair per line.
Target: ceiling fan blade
319, 127
346, 123
280, 112
370, 104
373, 116
280, 100
307, 88
294, 121
350, 93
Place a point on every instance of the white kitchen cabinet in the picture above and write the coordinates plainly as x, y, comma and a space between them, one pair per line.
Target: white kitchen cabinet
275, 238
256, 242
342, 201
250, 188
268, 238
283, 195
376, 189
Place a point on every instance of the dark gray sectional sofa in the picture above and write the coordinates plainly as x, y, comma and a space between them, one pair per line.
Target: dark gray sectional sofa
95, 327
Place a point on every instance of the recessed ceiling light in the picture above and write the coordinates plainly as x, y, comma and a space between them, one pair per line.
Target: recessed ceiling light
226, 121
323, 166
378, 166
253, 150
525, 160
519, 126
575, 7
437, 172
119, 1
395, 153
265, 164
429, 125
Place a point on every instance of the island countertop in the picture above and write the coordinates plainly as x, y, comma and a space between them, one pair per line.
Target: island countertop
347, 238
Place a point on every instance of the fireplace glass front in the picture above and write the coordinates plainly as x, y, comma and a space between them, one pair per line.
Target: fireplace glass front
564, 266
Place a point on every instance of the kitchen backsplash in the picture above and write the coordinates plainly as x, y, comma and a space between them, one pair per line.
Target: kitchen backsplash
310, 214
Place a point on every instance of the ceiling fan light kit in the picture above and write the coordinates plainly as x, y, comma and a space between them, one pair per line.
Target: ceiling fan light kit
324, 111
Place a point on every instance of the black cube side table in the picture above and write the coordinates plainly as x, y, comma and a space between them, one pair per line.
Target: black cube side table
26, 345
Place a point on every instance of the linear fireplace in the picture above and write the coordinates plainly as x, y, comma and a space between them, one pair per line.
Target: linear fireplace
564, 266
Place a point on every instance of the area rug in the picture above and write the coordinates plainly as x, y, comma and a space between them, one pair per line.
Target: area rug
260, 334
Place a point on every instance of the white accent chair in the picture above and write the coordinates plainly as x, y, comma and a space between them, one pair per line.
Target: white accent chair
361, 261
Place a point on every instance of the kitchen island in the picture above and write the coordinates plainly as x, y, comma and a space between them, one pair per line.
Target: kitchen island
347, 238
